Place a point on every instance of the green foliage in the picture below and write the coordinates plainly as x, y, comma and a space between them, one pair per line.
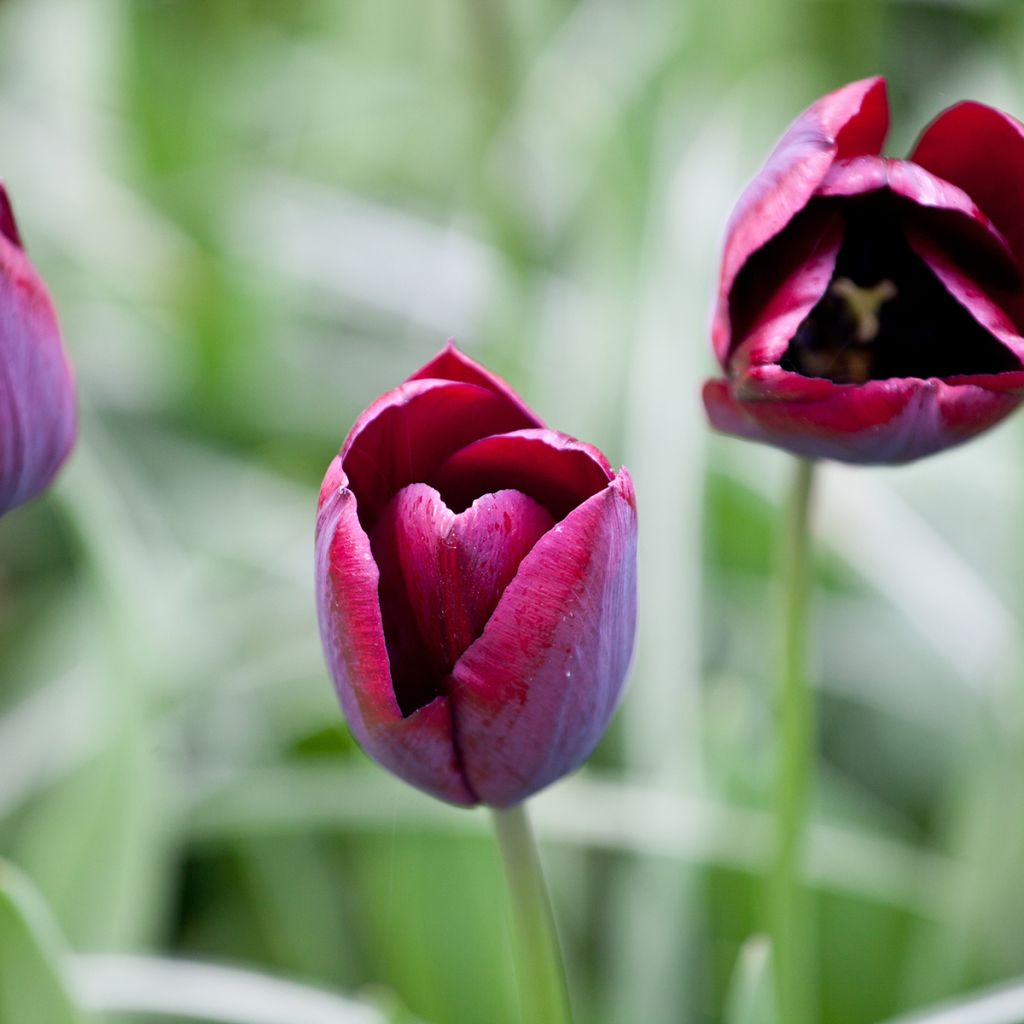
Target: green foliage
32, 966
751, 998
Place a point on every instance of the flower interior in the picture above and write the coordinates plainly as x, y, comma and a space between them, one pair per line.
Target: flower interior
885, 313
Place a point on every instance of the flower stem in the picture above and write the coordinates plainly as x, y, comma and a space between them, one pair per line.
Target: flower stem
788, 903
543, 993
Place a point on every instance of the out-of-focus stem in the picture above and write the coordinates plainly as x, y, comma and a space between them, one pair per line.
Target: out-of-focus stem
788, 899
543, 992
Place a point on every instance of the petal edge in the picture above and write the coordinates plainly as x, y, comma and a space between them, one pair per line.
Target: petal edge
852, 121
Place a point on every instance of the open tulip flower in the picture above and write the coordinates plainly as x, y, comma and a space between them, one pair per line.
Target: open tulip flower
476, 578
871, 309
37, 391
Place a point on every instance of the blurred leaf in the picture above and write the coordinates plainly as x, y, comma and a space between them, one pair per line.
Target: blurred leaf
96, 846
433, 910
1002, 1005
862, 942
302, 919
32, 986
589, 811
982, 933
218, 995
751, 998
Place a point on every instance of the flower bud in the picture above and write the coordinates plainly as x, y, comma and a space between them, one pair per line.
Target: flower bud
476, 587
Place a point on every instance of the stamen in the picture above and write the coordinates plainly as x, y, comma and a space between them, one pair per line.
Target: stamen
864, 304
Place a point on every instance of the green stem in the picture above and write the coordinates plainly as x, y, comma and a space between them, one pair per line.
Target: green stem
544, 996
791, 925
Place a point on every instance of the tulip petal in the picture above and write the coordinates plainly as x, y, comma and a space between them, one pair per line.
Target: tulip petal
554, 469
419, 748
849, 122
962, 221
781, 313
881, 422
407, 433
37, 391
968, 293
441, 576
534, 693
8, 225
481, 555
980, 150
452, 364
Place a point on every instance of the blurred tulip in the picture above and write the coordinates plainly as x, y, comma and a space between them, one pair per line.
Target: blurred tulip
37, 390
476, 587
870, 309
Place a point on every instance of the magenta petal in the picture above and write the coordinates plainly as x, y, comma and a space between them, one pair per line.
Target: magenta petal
410, 617
881, 422
534, 693
482, 553
781, 284
968, 293
407, 433
442, 575
794, 297
554, 469
451, 364
8, 225
870, 173
419, 748
980, 150
963, 221
849, 122
727, 414
37, 389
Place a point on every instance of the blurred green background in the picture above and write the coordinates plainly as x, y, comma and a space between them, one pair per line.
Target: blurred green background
254, 217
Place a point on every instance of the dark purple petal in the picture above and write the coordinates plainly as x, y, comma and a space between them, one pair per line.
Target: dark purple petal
37, 389
451, 364
534, 693
883, 421
936, 204
968, 293
554, 469
980, 150
406, 434
849, 122
419, 748
780, 313
441, 577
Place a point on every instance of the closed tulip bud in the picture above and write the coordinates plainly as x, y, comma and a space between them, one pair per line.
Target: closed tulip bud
871, 309
37, 391
476, 587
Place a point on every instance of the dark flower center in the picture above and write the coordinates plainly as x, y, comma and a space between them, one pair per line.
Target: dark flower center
885, 314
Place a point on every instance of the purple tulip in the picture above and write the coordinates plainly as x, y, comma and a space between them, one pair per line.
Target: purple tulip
871, 309
476, 587
37, 389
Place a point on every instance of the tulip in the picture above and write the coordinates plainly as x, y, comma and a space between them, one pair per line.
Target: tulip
476, 587
870, 309
37, 391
